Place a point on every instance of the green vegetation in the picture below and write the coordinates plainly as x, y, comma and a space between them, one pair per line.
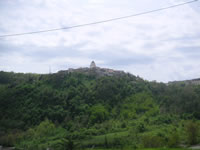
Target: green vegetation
144, 149
43, 136
85, 111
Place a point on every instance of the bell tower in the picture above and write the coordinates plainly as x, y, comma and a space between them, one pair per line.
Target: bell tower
92, 65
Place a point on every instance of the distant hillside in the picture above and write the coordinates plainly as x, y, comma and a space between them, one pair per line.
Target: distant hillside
193, 81
89, 106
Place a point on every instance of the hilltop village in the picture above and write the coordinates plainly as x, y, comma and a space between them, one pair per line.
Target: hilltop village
93, 69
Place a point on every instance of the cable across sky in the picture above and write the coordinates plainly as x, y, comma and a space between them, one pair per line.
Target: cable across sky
98, 22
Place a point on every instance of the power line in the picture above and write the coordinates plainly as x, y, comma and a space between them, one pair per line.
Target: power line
99, 22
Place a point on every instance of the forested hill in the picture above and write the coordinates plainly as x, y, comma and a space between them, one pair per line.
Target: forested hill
83, 103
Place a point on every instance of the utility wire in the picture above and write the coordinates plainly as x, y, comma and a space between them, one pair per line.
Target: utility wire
99, 22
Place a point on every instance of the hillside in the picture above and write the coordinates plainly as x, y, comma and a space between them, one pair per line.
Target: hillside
95, 107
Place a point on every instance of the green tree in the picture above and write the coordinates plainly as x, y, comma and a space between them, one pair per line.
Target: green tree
98, 114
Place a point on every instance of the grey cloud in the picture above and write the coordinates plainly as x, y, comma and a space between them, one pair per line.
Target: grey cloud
41, 53
149, 45
189, 49
191, 53
184, 38
6, 48
56, 52
114, 56
135, 60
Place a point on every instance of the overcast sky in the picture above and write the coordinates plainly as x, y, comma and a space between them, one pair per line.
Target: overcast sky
162, 46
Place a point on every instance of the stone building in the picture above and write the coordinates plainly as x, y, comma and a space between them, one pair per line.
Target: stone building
92, 65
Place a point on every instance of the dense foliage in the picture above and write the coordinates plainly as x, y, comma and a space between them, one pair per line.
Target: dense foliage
76, 110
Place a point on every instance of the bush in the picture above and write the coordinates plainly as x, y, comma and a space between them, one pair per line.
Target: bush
8, 140
149, 141
192, 132
174, 140
141, 127
43, 136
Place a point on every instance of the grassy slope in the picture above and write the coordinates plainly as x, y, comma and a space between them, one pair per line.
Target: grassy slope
100, 140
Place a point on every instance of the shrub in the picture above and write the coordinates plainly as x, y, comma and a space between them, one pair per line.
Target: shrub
43, 136
192, 132
149, 141
174, 140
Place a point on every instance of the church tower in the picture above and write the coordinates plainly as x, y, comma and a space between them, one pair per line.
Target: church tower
92, 65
